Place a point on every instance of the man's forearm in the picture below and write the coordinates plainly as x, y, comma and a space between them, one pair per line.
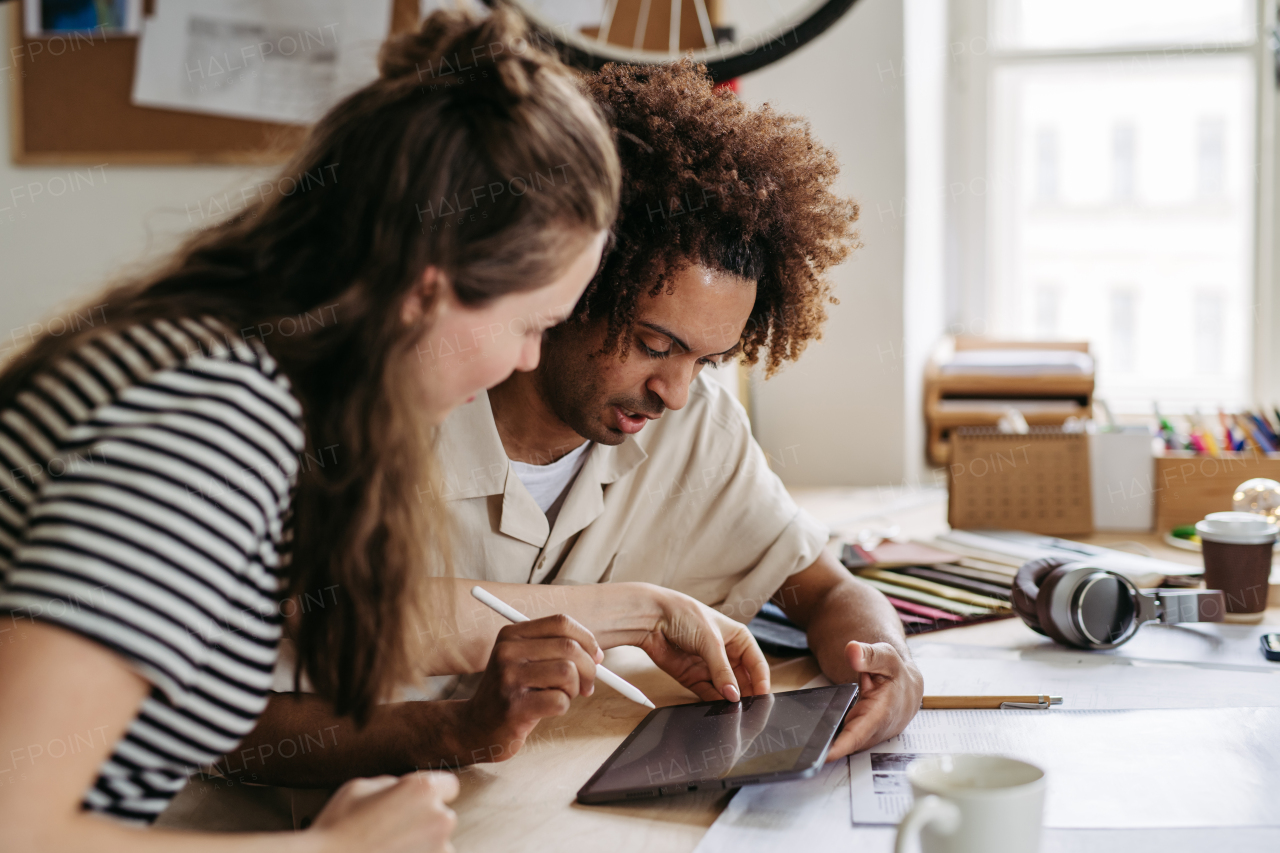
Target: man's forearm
299, 742
834, 608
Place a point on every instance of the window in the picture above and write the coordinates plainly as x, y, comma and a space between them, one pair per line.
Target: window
1121, 345
1047, 300
1209, 343
1211, 157
1047, 165
1117, 143
1122, 162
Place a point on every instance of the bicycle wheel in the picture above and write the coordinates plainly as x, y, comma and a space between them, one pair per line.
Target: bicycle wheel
753, 34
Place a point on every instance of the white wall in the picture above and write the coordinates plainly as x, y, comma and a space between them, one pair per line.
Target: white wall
62, 237
924, 318
840, 416
837, 416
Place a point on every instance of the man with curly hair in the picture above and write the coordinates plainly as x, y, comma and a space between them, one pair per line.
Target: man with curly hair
727, 230
617, 466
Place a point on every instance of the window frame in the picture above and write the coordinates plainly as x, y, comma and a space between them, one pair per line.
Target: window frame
970, 290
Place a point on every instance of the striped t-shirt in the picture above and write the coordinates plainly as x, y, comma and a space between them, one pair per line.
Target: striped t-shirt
145, 485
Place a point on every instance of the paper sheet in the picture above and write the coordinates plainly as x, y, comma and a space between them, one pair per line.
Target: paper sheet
1106, 769
813, 815
806, 814
1021, 547
272, 60
1088, 682
119, 17
1206, 644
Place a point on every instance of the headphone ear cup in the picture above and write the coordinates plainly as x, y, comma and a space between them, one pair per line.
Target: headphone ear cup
1027, 585
1044, 606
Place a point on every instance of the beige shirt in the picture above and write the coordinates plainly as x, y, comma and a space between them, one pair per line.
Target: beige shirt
689, 503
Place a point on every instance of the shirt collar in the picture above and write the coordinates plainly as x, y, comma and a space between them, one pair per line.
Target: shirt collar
475, 465
472, 459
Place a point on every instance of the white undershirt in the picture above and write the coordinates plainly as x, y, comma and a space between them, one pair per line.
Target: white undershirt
548, 483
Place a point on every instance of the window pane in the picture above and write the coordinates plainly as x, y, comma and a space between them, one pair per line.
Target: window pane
1029, 24
1122, 214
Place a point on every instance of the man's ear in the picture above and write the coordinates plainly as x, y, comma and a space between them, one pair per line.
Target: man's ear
420, 299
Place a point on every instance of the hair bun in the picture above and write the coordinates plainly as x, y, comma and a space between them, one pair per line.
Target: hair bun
451, 41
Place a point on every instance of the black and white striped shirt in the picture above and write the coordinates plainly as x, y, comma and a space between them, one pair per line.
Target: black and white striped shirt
144, 498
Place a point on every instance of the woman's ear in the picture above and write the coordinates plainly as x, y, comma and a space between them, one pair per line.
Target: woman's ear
421, 297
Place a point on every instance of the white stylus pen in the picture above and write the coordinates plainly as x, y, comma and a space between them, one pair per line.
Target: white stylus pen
609, 677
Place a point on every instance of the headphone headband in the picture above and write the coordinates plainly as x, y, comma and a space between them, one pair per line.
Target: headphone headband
1080, 605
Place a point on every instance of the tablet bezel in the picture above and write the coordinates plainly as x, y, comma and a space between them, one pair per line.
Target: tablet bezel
843, 697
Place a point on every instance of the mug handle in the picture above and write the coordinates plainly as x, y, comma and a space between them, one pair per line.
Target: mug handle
931, 809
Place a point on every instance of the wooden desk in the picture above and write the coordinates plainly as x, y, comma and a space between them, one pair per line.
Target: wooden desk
527, 803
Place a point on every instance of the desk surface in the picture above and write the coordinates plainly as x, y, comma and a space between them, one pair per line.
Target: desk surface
527, 803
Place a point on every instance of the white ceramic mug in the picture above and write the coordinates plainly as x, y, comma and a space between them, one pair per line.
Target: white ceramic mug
974, 804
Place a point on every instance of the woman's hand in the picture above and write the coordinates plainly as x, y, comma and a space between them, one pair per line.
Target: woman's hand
389, 815
534, 671
704, 650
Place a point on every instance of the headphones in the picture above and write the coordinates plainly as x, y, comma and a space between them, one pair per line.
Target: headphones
1086, 607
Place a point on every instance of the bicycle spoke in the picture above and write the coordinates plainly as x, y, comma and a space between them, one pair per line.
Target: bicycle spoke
607, 22
641, 25
704, 23
754, 37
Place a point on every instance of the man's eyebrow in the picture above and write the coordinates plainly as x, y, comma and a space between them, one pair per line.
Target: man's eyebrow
662, 330
670, 334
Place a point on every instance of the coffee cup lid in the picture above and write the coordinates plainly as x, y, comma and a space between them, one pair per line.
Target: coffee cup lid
1237, 528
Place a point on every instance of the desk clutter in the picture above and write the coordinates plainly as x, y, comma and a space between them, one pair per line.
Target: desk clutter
1164, 744
961, 578
971, 381
1087, 476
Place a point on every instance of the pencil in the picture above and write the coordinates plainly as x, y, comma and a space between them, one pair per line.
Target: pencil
939, 703
609, 677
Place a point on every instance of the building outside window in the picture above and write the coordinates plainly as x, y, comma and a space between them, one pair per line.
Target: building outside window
1118, 143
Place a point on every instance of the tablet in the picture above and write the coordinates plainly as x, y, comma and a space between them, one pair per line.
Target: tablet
717, 745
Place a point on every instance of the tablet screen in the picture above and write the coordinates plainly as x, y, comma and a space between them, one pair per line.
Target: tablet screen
679, 746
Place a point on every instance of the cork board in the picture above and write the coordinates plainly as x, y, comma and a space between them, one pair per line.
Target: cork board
1038, 482
70, 105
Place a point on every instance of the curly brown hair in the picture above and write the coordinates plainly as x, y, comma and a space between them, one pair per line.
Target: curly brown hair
708, 180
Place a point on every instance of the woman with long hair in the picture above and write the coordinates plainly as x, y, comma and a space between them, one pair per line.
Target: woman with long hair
246, 435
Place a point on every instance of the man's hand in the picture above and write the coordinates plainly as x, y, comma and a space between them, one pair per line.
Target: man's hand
890, 689
704, 650
535, 669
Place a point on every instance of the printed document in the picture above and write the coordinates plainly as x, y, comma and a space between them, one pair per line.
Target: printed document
1176, 768
283, 61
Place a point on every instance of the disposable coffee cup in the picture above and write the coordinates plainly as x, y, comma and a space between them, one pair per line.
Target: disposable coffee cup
1237, 560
